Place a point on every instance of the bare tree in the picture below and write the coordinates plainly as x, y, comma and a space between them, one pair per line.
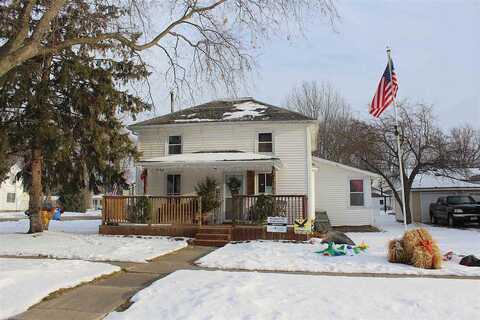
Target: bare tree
426, 149
207, 40
324, 102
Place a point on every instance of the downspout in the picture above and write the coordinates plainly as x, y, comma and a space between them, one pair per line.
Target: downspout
308, 149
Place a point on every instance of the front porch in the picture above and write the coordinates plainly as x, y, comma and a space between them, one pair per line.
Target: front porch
182, 216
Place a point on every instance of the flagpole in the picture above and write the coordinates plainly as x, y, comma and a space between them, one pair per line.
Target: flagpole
399, 148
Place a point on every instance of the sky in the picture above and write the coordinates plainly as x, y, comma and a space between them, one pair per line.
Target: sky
433, 47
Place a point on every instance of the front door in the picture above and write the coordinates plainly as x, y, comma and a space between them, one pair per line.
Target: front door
234, 184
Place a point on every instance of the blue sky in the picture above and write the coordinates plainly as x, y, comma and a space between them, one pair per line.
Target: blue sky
434, 44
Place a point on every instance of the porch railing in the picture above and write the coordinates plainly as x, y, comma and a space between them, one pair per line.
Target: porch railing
151, 209
255, 209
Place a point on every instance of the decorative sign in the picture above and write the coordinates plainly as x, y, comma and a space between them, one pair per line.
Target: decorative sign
277, 224
302, 226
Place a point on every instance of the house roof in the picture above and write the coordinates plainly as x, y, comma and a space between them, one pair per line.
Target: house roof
431, 181
343, 166
241, 109
215, 158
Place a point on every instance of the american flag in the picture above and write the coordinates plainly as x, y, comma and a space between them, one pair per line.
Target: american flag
386, 92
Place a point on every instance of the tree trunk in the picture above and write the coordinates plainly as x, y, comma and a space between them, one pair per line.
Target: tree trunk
35, 192
85, 193
408, 211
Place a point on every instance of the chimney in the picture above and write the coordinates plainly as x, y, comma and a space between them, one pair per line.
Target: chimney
171, 102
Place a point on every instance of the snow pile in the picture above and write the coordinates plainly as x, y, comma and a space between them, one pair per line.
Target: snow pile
251, 295
269, 255
65, 239
248, 109
25, 282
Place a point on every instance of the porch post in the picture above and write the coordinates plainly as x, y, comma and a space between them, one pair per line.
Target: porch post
200, 214
274, 181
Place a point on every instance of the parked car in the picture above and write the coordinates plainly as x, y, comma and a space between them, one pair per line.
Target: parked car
455, 209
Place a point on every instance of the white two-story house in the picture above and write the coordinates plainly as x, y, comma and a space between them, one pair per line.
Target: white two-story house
267, 148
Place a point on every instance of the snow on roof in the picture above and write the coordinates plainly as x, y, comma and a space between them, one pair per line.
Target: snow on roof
226, 110
245, 109
193, 120
432, 181
208, 157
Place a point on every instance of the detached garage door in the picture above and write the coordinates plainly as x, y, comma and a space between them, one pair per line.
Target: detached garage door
428, 197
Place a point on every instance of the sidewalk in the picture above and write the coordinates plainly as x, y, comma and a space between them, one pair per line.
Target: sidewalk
95, 299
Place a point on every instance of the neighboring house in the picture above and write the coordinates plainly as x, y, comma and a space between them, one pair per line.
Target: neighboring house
427, 188
12, 195
96, 201
382, 199
344, 192
267, 148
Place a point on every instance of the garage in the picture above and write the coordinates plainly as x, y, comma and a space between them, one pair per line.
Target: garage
428, 188
426, 198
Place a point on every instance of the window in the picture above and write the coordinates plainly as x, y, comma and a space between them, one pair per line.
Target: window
265, 142
173, 184
174, 144
10, 197
265, 183
356, 192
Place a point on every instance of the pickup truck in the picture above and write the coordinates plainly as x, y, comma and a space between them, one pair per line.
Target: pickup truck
454, 210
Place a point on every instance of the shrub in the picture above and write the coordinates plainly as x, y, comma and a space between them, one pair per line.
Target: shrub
208, 191
262, 208
139, 212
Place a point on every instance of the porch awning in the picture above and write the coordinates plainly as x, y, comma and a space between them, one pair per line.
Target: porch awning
234, 159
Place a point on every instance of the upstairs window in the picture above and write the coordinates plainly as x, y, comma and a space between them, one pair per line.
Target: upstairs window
265, 142
356, 193
10, 197
173, 184
265, 183
174, 144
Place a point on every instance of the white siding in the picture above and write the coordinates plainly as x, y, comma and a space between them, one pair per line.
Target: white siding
290, 145
332, 194
10, 186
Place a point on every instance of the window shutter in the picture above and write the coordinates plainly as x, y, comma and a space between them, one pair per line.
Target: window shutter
250, 182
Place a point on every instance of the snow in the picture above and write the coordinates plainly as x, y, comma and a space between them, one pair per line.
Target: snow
248, 109
208, 157
21, 214
252, 295
25, 282
194, 120
78, 239
71, 226
270, 255
430, 181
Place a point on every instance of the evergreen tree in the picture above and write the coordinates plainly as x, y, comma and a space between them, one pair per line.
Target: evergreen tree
66, 120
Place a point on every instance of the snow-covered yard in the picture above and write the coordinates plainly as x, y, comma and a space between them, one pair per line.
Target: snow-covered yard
252, 295
72, 226
79, 240
24, 282
269, 255
21, 214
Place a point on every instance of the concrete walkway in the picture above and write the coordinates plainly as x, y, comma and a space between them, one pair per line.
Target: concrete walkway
96, 299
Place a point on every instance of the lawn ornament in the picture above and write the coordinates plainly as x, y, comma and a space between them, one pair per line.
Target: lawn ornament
396, 252
335, 250
419, 250
337, 237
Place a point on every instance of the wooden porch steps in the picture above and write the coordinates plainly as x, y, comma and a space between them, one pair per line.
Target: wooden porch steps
213, 236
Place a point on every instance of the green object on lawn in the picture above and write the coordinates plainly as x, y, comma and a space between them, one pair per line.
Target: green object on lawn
334, 250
